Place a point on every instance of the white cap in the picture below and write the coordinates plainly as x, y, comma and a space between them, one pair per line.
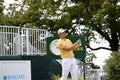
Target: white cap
61, 30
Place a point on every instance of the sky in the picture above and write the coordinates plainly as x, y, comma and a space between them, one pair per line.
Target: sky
100, 54
7, 2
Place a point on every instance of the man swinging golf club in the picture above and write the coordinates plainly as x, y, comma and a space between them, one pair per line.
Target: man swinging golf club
66, 48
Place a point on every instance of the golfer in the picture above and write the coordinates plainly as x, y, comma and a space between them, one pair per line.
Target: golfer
66, 48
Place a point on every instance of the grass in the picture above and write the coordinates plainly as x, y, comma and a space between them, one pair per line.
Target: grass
57, 77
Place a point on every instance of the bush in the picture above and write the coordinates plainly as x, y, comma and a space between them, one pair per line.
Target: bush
112, 67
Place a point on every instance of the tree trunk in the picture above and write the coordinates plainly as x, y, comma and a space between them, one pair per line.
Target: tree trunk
114, 41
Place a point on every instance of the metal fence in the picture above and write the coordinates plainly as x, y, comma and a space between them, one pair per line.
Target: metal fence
7, 35
95, 74
25, 41
34, 41
90, 74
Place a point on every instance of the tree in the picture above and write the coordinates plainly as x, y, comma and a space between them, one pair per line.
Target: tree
103, 21
96, 15
112, 67
1, 12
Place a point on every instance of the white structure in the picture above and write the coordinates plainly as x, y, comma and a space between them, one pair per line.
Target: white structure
7, 34
27, 41
15, 70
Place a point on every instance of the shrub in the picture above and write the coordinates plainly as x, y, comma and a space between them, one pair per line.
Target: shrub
112, 67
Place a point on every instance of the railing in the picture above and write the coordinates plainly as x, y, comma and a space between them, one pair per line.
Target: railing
27, 41
34, 41
95, 74
90, 74
7, 35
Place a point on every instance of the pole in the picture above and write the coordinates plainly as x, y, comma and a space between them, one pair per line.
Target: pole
84, 72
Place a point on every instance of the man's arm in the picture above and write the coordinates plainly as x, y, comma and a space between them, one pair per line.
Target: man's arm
74, 46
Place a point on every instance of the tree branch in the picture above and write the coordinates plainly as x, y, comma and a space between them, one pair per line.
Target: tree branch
98, 48
103, 34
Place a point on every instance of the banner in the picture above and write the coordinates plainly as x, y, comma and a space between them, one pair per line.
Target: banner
15, 70
54, 53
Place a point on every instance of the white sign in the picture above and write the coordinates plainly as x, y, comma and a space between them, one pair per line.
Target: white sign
15, 70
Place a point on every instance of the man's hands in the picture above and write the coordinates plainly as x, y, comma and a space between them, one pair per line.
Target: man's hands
78, 42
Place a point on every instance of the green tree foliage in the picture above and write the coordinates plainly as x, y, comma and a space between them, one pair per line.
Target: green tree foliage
112, 67
101, 16
89, 60
103, 20
1, 6
1, 11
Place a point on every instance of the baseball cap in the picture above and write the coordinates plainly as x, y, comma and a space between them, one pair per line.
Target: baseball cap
61, 30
